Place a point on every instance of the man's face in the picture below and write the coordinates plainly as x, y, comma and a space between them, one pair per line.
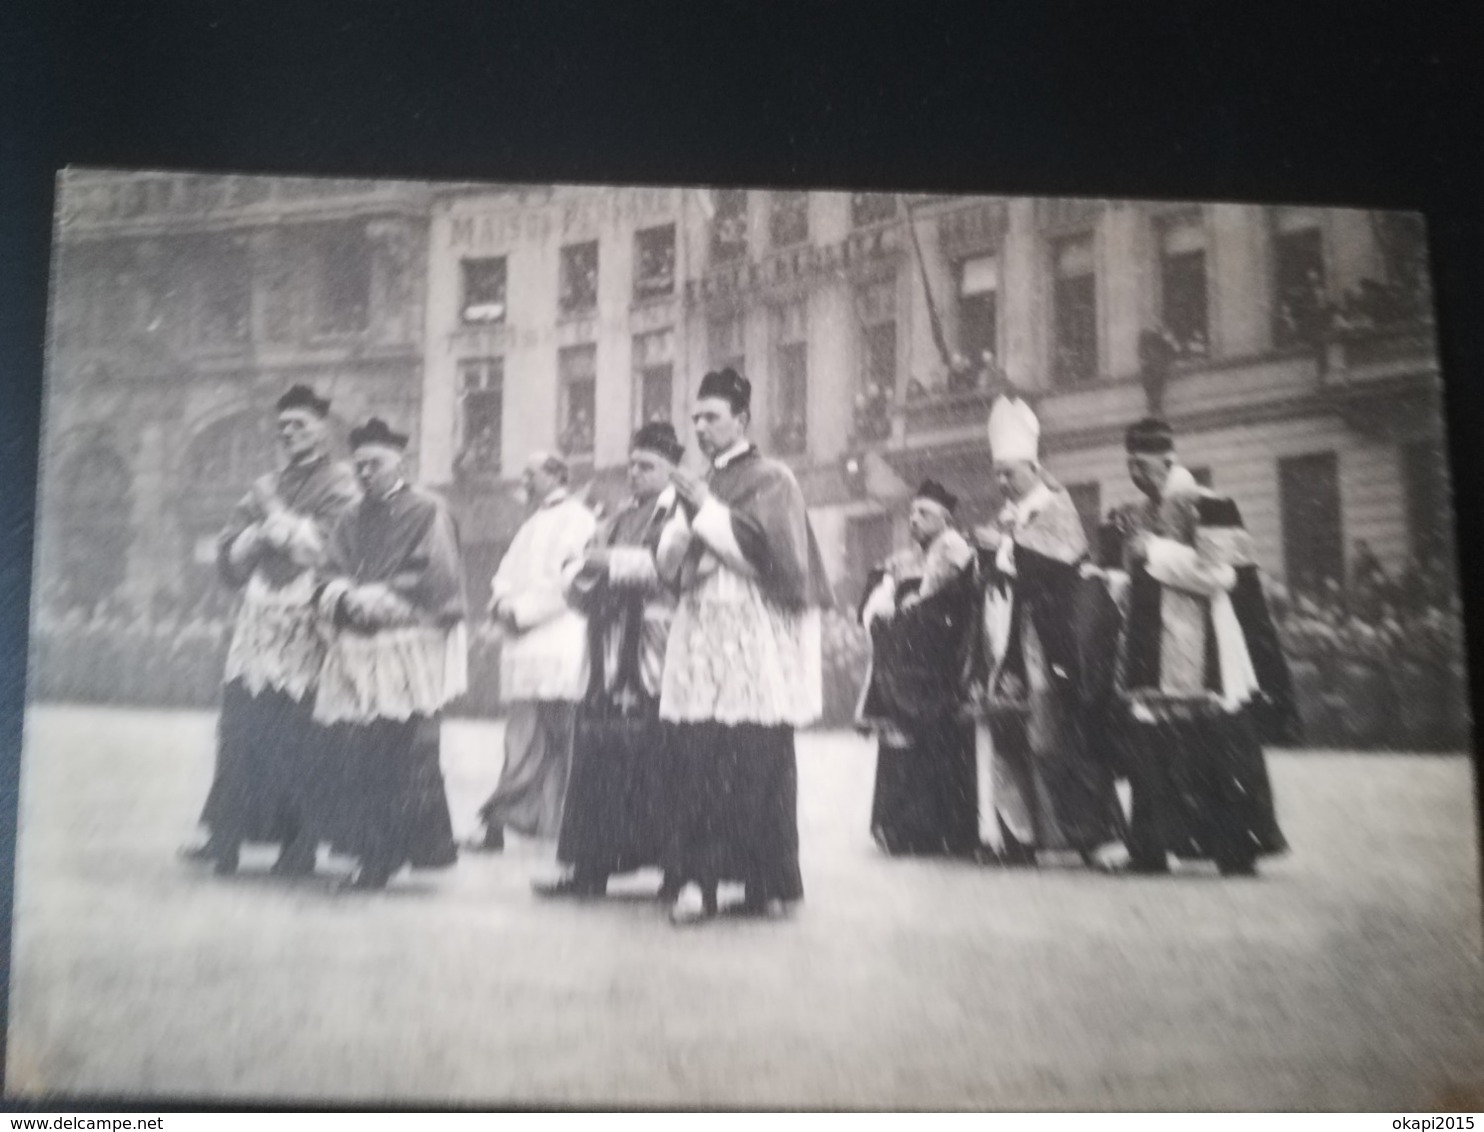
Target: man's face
927, 520
717, 427
301, 434
1016, 477
378, 468
649, 472
1149, 472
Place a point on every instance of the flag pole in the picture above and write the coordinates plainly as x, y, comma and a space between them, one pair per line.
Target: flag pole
934, 320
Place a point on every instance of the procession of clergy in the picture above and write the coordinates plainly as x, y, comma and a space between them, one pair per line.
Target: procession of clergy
655, 667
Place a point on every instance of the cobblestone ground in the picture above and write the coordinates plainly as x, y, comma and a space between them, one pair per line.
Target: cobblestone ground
1347, 976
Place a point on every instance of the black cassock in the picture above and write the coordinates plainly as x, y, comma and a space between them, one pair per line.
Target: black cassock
925, 799
620, 795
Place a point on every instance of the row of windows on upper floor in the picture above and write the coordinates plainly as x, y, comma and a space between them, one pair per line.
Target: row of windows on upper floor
1303, 306
199, 290
485, 280
1299, 284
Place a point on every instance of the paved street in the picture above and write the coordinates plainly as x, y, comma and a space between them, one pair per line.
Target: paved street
1347, 976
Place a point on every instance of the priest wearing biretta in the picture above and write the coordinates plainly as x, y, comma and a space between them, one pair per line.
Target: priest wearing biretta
270, 772
921, 611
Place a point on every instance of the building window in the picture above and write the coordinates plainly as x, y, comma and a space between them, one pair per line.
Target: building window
344, 279
1313, 541
482, 409
725, 345
979, 310
791, 418
729, 227
1074, 304
876, 394
654, 376
577, 285
654, 262
577, 372
224, 294
788, 219
791, 381
1299, 277
1182, 284
484, 290
872, 208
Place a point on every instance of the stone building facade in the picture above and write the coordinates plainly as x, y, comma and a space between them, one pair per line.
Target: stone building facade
1291, 348
182, 306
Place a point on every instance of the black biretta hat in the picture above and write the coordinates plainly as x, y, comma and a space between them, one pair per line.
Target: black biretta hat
1150, 436
730, 386
932, 489
659, 437
302, 397
377, 431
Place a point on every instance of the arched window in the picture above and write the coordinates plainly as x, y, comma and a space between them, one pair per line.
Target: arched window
220, 465
94, 528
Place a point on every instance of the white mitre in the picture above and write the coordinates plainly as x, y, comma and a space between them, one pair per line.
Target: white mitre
1014, 431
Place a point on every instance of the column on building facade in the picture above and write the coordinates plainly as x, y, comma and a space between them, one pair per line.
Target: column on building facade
154, 556
614, 394
832, 335
396, 257
757, 346
759, 210
1354, 253
1126, 286
833, 348
438, 443
1027, 333
1241, 280
532, 374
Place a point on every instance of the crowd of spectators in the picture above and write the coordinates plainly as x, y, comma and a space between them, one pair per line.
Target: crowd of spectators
1378, 660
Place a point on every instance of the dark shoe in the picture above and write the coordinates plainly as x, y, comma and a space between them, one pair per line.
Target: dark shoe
1136, 867
203, 854
575, 887
225, 860
1007, 858
759, 910
295, 861
367, 879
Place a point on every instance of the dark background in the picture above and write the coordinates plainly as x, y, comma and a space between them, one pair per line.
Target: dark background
1314, 102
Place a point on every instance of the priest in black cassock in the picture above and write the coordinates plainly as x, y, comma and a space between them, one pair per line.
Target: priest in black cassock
1201, 672
270, 766
398, 654
743, 668
620, 793
922, 609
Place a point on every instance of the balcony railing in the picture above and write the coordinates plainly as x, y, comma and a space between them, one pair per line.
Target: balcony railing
939, 410
1359, 357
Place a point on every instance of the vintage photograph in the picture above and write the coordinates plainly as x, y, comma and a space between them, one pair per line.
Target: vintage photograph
673, 646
